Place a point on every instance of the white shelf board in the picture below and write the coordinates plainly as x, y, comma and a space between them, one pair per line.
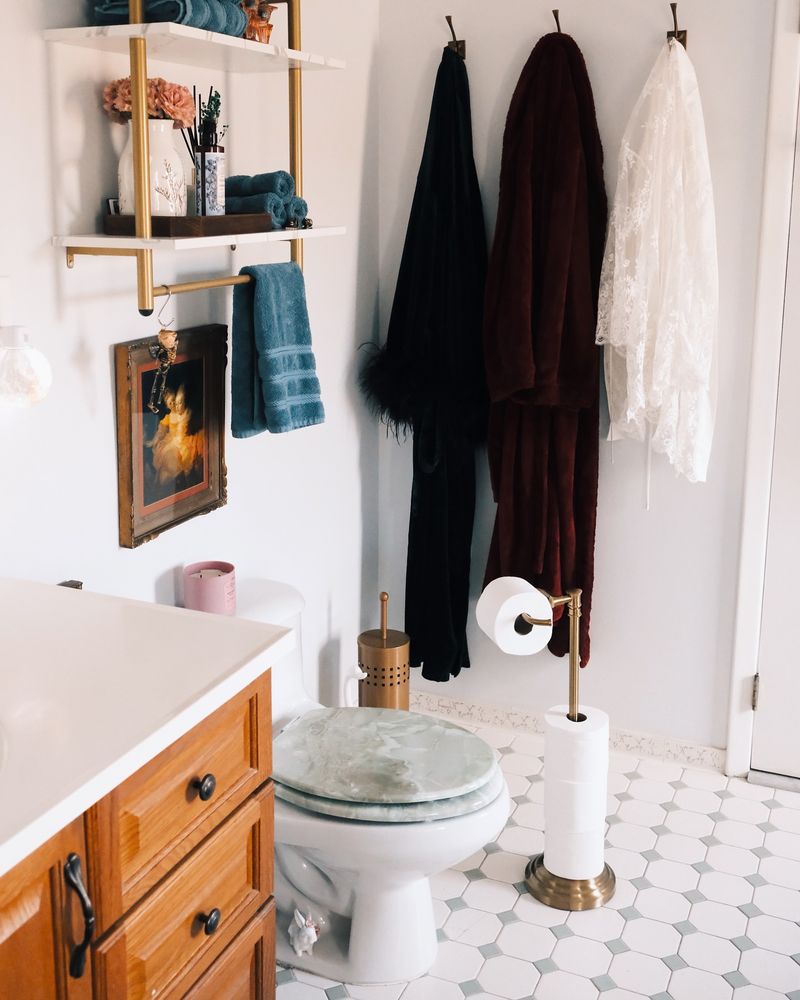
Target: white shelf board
194, 242
177, 43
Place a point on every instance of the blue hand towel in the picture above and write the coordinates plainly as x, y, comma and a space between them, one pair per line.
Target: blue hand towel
274, 384
195, 13
297, 209
278, 182
270, 203
236, 19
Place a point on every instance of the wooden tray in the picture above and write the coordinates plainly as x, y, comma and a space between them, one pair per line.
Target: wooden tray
190, 225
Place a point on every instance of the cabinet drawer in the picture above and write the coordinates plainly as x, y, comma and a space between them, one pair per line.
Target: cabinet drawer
246, 969
162, 947
142, 829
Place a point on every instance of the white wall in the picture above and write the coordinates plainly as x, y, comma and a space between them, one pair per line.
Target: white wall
302, 506
665, 587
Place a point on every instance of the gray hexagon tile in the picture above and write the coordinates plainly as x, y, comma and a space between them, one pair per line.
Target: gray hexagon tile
707, 905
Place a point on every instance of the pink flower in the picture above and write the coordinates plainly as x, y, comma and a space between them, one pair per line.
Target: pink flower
164, 100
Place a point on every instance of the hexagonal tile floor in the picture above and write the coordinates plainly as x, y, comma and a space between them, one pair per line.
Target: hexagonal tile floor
707, 904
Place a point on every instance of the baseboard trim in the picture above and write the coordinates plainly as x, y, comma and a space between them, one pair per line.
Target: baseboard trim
622, 741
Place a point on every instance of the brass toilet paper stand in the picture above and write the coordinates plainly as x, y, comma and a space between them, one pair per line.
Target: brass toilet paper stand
556, 890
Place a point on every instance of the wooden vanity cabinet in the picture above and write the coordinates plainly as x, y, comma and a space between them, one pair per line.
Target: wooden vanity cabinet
42, 923
178, 862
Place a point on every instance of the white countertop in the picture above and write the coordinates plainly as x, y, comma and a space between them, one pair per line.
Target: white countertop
92, 687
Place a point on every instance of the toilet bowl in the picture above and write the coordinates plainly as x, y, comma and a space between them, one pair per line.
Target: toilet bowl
369, 804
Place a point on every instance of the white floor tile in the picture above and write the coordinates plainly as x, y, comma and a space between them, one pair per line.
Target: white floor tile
473, 861
745, 810
456, 962
711, 781
786, 819
565, 986
775, 934
624, 895
473, 927
694, 984
724, 888
300, 991
375, 992
631, 838
677, 847
697, 800
774, 972
718, 919
641, 813
429, 988
533, 912
756, 993
712, 954
493, 897
617, 782
783, 844
507, 977
603, 924
526, 941
581, 957
651, 937
778, 901
448, 885
661, 904
626, 864
747, 790
733, 860
518, 784
530, 815
640, 973
519, 763
531, 744
503, 867
672, 875
522, 840
619, 994
660, 770
311, 980
651, 791
689, 824
781, 871
623, 763
736, 834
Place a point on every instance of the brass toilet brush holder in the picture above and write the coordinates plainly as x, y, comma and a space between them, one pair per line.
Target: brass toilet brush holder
384, 656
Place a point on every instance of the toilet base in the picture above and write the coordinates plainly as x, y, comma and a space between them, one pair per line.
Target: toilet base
390, 937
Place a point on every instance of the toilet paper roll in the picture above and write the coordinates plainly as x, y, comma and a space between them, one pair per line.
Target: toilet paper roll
575, 749
576, 782
499, 607
574, 805
576, 855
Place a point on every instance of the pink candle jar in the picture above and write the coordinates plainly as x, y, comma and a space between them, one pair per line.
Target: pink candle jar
210, 586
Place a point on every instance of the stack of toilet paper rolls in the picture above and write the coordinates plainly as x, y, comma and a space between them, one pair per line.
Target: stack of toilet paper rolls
575, 788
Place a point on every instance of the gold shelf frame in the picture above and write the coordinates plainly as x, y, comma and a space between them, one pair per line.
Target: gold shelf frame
147, 292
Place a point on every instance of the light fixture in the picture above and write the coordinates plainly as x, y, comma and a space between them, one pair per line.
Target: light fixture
25, 373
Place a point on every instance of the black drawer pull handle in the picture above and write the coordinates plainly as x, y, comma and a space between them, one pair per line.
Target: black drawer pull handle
210, 920
74, 879
206, 786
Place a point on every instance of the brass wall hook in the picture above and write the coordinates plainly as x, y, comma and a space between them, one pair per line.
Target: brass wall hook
558, 21
679, 34
457, 44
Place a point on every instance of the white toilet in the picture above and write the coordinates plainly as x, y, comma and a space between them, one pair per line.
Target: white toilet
369, 804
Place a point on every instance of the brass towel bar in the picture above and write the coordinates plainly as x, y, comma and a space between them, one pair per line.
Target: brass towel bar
146, 291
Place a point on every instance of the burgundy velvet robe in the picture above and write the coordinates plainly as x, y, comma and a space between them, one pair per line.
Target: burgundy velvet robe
539, 332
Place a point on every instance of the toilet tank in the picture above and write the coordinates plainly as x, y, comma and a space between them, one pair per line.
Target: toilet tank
279, 604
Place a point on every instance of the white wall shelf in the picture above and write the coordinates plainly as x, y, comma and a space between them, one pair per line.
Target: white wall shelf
95, 240
177, 43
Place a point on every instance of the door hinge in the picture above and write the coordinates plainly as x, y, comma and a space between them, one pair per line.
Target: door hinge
756, 686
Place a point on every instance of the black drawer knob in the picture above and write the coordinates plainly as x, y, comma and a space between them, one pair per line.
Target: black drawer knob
206, 786
210, 921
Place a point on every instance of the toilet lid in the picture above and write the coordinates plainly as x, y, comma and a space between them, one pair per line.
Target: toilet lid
380, 755
414, 812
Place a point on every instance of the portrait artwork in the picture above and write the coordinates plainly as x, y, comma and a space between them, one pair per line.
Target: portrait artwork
170, 430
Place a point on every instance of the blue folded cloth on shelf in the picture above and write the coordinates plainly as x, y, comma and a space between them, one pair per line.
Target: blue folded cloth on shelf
274, 384
297, 209
222, 16
278, 182
269, 203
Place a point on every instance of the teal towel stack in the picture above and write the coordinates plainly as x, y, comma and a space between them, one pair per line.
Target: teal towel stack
297, 209
279, 182
269, 203
274, 384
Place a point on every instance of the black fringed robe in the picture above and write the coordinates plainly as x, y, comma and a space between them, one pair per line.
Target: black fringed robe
539, 332
429, 377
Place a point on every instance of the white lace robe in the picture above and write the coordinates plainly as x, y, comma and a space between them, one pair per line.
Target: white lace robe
659, 298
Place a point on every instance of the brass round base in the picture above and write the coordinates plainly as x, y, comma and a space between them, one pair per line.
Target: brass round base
568, 893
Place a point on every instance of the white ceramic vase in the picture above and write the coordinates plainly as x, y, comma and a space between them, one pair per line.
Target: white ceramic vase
167, 177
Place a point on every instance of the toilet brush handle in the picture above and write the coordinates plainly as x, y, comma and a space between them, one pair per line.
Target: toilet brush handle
384, 615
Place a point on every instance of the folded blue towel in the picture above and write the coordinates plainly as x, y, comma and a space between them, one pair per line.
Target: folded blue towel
236, 19
274, 384
222, 16
278, 182
269, 203
297, 209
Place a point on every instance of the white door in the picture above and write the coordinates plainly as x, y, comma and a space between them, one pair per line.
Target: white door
776, 735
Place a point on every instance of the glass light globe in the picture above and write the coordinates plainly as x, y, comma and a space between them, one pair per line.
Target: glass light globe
25, 373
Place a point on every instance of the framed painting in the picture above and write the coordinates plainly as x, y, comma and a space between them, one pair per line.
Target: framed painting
170, 431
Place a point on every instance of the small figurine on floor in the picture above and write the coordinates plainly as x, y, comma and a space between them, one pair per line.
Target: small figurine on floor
303, 934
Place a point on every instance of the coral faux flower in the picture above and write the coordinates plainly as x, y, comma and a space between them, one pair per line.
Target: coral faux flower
164, 100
